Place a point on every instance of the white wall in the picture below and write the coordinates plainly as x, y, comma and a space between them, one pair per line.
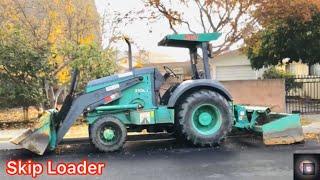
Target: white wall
297, 69
233, 65
315, 70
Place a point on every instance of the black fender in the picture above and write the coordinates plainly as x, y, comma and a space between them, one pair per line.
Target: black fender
193, 85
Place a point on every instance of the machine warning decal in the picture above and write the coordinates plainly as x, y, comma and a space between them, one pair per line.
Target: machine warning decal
145, 118
125, 74
113, 87
112, 97
190, 37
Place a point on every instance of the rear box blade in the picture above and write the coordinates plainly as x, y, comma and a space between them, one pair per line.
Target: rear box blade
285, 129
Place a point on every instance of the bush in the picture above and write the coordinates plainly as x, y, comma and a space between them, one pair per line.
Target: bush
290, 81
274, 73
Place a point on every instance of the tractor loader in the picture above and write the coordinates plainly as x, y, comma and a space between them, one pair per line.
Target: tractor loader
200, 110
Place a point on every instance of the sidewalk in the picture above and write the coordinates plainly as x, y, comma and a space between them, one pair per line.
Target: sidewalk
312, 131
78, 131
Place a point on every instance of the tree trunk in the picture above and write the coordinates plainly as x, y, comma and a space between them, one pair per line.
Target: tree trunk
309, 69
53, 95
57, 95
40, 110
46, 89
25, 113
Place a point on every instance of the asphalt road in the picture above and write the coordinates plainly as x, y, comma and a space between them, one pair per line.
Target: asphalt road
238, 158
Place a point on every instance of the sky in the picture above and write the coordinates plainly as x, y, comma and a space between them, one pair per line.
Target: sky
139, 31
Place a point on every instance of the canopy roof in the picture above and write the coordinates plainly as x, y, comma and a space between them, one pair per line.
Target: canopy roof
188, 40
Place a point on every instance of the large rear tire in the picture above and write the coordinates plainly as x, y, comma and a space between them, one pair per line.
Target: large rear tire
108, 134
205, 118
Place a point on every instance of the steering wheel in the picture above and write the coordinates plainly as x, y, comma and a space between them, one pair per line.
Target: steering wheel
170, 71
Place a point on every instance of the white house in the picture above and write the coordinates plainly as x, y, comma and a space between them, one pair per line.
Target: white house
233, 65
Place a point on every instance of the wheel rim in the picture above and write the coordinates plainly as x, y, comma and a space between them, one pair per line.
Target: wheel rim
206, 119
109, 134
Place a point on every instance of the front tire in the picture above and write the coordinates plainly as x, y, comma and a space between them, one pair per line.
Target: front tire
205, 118
108, 134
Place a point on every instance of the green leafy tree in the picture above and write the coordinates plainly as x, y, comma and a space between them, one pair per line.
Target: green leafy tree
92, 61
293, 37
54, 25
23, 70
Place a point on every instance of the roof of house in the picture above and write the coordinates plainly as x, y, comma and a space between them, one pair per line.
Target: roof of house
230, 53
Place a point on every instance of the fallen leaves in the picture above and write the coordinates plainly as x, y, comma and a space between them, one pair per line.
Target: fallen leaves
16, 115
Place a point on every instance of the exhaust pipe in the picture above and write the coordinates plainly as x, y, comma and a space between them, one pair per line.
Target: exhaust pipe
129, 53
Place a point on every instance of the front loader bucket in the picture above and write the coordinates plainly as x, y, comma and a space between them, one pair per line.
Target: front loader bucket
281, 129
38, 138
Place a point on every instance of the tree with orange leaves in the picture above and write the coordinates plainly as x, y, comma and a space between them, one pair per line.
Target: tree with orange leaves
68, 29
230, 17
235, 19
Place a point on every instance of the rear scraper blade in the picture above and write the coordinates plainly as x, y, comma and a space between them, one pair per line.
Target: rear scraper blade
282, 129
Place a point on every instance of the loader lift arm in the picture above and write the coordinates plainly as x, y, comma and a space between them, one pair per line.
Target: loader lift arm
90, 101
54, 125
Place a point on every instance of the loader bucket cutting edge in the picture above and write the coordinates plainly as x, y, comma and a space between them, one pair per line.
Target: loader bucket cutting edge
38, 138
282, 129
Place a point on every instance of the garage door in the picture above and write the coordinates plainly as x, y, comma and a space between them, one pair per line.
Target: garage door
225, 73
